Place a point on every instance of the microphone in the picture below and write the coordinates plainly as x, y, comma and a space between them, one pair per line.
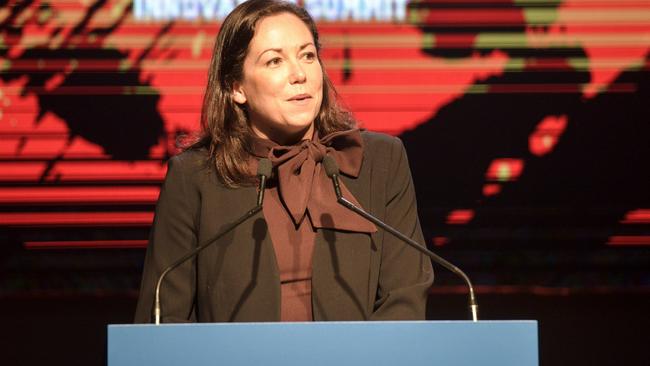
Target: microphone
263, 172
332, 171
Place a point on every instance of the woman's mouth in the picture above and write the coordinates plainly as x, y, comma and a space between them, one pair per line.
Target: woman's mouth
300, 99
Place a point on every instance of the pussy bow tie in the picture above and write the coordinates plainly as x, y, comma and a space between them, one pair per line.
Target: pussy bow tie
303, 185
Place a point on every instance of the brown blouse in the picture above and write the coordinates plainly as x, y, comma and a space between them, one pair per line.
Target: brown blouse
294, 248
299, 200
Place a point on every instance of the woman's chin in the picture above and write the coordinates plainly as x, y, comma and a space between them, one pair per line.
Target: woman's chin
298, 131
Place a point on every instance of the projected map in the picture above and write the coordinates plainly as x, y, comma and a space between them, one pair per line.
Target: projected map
526, 124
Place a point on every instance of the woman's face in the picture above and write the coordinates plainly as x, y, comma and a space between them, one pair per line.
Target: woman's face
282, 86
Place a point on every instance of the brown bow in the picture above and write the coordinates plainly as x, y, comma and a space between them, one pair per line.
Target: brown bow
304, 186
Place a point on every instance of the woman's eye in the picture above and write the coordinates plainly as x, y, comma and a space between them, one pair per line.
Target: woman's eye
274, 61
310, 56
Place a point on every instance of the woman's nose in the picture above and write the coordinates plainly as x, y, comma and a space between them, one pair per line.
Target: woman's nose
297, 73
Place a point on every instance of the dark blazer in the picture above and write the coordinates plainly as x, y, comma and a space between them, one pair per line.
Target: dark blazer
356, 276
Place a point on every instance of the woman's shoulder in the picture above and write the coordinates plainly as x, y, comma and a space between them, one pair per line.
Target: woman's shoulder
381, 144
377, 138
192, 164
193, 157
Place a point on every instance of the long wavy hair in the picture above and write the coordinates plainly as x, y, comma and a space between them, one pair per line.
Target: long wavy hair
225, 127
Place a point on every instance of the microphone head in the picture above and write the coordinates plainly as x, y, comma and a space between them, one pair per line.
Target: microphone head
330, 166
264, 168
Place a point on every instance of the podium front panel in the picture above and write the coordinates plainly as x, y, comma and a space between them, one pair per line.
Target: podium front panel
451, 343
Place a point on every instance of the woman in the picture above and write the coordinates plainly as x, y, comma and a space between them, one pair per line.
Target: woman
305, 257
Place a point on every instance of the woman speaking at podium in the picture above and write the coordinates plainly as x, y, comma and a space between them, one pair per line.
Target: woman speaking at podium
304, 257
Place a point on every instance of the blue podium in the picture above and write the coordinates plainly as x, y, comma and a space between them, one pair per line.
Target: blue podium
498, 343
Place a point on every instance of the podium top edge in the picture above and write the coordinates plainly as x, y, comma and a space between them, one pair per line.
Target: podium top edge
335, 323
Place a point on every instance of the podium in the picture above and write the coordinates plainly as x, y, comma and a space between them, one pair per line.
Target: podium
440, 343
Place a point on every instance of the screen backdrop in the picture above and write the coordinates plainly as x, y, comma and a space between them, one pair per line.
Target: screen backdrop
526, 124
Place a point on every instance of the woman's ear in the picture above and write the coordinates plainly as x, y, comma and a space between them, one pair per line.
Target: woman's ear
238, 94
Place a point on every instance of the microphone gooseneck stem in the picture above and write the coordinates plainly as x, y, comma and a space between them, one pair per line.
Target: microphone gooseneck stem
260, 192
260, 199
337, 188
473, 306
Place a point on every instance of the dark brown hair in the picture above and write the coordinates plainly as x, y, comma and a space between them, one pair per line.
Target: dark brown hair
225, 130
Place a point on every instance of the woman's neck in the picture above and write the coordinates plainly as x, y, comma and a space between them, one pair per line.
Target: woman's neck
285, 138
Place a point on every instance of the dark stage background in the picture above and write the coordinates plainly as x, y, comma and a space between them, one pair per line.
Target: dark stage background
527, 125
